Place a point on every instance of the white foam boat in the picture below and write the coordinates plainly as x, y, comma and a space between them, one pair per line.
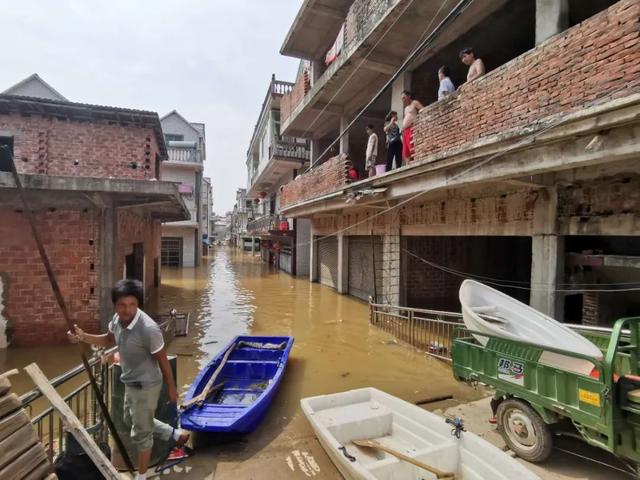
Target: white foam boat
486, 310
393, 425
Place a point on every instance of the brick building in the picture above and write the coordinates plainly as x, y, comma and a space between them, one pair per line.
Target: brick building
526, 177
272, 161
91, 176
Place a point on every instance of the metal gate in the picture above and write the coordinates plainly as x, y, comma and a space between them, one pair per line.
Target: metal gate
365, 259
328, 261
285, 261
171, 251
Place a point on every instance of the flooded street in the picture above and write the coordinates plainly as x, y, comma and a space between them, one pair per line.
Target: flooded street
335, 349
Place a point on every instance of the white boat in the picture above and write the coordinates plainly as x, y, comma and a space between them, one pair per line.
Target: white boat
395, 425
486, 310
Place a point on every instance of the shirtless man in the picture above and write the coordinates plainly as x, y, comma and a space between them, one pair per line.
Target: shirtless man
476, 65
411, 109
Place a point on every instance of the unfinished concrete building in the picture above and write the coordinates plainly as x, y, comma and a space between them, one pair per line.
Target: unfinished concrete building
526, 178
90, 173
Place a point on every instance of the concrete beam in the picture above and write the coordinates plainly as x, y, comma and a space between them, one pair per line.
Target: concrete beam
379, 67
620, 261
327, 11
552, 17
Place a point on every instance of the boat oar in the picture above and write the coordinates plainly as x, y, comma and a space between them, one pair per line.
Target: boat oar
206, 391
401, 456
83, 348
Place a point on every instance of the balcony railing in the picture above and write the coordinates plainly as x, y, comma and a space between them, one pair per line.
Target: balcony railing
269, 223
184, 155
290, 147
278, 87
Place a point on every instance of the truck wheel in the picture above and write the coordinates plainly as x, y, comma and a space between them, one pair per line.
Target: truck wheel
524, 431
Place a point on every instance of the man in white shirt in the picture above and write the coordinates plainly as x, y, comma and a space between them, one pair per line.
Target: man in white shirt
372, 151
446, 85
476, 65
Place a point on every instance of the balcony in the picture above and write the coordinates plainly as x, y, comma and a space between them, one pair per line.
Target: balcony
185, 155
578, 76
270, 225
378, 36
285, 155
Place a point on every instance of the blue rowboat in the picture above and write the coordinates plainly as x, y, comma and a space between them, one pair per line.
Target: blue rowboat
233, 392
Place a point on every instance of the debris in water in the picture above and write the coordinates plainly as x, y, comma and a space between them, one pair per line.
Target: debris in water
210, 342
290, 463
435, 347
345, 374
332, 322
389, 342
184, 354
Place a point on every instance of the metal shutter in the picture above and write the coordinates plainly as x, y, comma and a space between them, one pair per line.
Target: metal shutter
328, 261
361, 266
285, 262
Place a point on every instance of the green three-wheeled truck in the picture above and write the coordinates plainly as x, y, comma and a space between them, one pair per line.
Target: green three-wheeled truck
530, 396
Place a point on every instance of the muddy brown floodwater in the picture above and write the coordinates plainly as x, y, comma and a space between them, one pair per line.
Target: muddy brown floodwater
335, 349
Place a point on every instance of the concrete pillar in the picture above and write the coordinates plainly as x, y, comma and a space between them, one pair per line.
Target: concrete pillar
253, 246
315, 150
313, 258
343, 264
344, 140
316, 71
402, 83
391, 262
303, 247
552, 16
547, 257
107, 251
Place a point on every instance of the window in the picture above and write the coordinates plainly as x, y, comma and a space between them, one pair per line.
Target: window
173, 137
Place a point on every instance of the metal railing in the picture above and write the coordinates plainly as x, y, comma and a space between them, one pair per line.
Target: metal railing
82, 401
184, 155
267, 223
430, 330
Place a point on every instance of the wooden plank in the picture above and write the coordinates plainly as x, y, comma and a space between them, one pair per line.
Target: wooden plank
25, 463
5, 384
9, 404
401, 456
12, 423
72, 423
206, 391
17, 443
41, 472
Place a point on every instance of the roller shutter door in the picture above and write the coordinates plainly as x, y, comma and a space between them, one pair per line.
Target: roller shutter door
328, 261
285, 262
362, 252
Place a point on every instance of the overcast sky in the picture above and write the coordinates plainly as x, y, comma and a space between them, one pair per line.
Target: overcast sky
211, 60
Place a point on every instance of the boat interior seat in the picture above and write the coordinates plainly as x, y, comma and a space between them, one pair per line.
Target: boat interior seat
442, 456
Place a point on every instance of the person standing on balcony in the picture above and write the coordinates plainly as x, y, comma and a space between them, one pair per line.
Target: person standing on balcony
144, 363
372, 151
394, 140
476, 65
446, 85
411, 109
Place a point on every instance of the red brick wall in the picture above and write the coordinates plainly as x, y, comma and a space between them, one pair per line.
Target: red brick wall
135, 229
327, 177
51, 146
291, 100
71, 241
588, 62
